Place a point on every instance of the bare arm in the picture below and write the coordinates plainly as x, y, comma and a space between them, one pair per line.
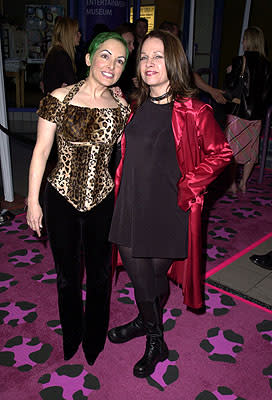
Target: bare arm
45, 139
217, 94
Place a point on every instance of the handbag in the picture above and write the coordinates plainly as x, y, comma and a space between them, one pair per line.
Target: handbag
234, 93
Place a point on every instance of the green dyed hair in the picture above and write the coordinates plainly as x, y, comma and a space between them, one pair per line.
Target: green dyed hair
101, 38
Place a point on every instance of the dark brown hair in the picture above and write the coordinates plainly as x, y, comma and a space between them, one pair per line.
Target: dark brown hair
125, 28
179, 73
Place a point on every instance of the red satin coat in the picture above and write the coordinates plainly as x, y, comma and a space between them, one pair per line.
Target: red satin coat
202, 154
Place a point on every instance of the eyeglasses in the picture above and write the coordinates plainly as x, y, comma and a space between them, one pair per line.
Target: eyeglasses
155, 59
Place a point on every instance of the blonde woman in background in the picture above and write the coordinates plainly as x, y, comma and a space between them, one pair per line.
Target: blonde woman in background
244, 120
60, 69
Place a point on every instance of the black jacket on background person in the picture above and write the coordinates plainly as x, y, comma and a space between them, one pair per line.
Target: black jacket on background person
257, 87
125, 82
58, 69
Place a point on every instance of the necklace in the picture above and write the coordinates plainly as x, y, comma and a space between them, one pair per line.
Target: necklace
163, 96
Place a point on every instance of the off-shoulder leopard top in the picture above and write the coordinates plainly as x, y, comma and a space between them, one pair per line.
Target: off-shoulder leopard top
85, 139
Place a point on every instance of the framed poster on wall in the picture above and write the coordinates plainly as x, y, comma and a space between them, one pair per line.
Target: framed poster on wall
39, 23
147, 12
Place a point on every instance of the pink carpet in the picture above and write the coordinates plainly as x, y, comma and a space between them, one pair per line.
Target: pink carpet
223, 354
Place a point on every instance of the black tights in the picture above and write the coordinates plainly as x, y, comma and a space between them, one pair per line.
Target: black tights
148, 275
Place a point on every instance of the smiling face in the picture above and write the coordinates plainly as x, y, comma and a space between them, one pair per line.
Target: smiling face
152, 66
107, 63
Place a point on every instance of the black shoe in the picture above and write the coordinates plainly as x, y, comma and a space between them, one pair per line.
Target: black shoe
5, 216
156, 351
131, 330
264, 261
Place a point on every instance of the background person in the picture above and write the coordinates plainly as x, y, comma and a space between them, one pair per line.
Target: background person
126, 82
60, 69
171, 150
244, 120
140, 30
216, 94
87, 119
126, 30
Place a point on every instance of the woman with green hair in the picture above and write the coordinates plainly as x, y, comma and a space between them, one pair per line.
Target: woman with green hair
88, 119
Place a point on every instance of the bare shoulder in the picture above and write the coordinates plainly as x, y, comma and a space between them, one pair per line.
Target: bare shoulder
119, 94
60, 93
122, 100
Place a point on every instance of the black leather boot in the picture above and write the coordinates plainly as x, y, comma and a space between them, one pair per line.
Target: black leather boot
156, 349
131, 330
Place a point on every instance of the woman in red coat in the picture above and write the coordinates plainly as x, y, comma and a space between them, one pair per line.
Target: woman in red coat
171, 150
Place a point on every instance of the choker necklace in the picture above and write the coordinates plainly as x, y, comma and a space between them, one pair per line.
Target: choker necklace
163, 96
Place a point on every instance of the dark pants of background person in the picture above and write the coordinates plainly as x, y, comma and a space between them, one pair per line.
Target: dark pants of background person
74, 236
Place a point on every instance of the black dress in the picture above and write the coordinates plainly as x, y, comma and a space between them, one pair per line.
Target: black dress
147, 217
58, 69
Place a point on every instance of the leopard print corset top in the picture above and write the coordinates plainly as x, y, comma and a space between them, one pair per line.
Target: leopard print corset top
85, 139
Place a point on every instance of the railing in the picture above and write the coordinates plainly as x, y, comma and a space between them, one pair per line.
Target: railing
267, 130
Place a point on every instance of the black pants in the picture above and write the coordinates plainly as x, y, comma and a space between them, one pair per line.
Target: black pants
75, 237
148, 275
